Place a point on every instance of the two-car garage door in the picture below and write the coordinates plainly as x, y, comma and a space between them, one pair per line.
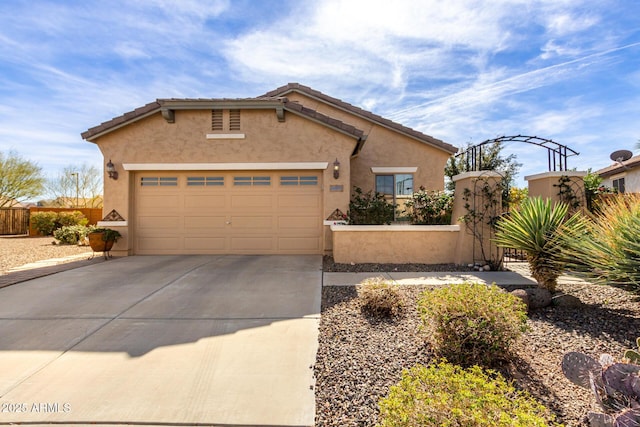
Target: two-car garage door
247, 212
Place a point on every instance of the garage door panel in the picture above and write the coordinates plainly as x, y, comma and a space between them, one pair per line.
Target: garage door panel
159, 244
297, 223
299, 244
205, 222
252, 218
159, 202
252, 222
309, 201
253, 244
248, 201
208, 202
205, 243
158, 222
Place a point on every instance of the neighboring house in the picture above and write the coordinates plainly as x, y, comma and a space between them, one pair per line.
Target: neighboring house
253, 176
623, 176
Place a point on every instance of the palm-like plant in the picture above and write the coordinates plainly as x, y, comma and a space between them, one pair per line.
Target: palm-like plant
540, 229
610, 251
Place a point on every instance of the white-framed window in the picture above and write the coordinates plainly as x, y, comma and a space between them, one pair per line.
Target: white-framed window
395, 185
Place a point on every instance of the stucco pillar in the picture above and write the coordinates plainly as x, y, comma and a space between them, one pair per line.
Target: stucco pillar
566, 186
478, 199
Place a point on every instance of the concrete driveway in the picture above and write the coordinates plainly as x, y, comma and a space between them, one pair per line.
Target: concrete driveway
207, 340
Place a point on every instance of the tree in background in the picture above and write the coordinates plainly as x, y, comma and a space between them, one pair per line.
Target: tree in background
20, 179
492, 159
77, 186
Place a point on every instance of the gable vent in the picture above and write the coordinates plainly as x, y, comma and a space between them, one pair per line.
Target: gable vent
216, 120
234, 119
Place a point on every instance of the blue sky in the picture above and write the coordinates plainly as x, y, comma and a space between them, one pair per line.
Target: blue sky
459, 70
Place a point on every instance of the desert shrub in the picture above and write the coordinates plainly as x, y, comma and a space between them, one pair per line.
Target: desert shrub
44, 222
472, 323
609, 251
370, 208
71, 218
380, 298
448, 395
429, 207
71, 234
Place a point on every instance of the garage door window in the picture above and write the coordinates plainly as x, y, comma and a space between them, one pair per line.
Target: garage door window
251, 180
205, 181
298, 180
154, 181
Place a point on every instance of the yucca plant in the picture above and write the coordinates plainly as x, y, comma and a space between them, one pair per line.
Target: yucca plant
542, 229
610, 251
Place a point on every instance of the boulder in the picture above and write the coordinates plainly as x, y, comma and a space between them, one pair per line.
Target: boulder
565, 300
538, 298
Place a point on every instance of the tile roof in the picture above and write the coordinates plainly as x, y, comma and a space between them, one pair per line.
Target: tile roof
199, 103
297, 87
616, 168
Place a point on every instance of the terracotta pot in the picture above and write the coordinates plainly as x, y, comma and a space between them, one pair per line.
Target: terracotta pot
99, 245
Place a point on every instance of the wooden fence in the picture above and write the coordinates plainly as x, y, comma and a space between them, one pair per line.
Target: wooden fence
92, 214
14, 221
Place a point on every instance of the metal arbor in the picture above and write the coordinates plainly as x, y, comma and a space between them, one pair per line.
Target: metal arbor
556, 153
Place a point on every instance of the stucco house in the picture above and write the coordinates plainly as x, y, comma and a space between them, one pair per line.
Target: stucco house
623, 176
252, 176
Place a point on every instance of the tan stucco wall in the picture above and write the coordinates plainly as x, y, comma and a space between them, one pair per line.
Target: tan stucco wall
153, 140
546, 185
395, 244
385, 148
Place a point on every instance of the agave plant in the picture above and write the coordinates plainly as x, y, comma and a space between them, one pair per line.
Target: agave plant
540, 229
610, 251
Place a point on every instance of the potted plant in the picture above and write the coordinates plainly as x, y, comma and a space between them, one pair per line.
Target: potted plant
102, 239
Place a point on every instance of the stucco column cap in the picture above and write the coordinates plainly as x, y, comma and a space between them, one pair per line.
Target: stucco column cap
555, 174
477, 174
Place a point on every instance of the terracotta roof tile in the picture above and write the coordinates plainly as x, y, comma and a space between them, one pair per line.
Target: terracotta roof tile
297, 87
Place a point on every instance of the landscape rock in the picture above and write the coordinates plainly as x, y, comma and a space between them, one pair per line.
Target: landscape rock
565, 300
538, 298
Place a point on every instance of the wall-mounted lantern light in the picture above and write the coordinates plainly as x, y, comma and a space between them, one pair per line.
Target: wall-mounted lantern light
336, 169
111, 170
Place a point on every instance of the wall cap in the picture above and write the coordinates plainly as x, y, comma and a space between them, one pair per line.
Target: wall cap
395, 227
477, 174
556, 174
113, 223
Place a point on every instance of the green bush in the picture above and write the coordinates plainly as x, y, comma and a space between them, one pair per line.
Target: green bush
71, 218
44, 222
429, 207
448, 395
71, 234
370, 208
609, 251
380, 298
472, 323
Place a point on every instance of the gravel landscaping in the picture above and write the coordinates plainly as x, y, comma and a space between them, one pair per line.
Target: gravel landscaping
360, 357
16, 251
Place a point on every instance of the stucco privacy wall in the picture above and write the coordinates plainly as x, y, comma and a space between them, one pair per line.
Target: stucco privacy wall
395, 244
266, 140
385, 148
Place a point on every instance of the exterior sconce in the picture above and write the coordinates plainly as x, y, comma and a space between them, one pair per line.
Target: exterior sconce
336, 169
111, 170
